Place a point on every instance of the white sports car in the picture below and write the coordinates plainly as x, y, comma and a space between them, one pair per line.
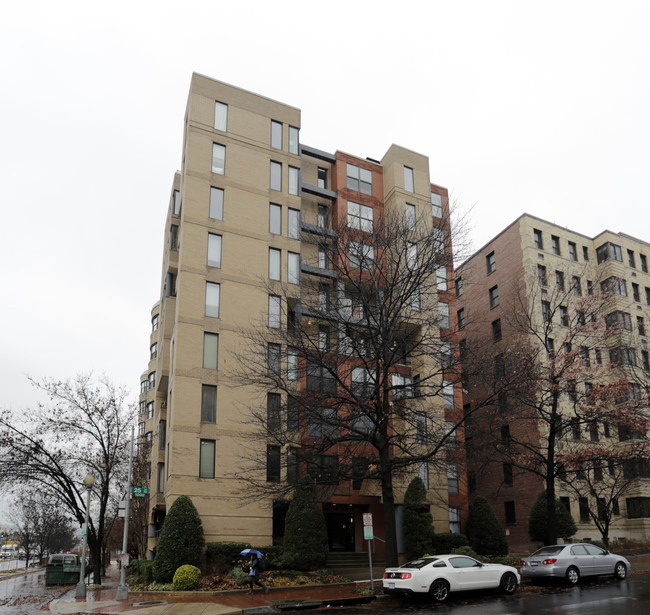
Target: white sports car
441, 574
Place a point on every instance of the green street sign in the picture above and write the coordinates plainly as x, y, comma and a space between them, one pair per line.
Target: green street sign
139, 492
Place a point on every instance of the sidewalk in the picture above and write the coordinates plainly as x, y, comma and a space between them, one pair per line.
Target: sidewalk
102, 601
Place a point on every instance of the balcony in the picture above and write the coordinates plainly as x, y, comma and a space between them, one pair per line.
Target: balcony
319, 271
316, 191
318, 230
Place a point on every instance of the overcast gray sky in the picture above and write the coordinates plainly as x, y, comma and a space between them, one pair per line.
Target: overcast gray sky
538, 107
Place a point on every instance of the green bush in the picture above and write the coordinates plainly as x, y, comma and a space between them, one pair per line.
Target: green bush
186, 578
238, 575
146, 571
181, 541
418, 522
160, 587
484, 532
466, 550
305, 534
447, 542
222, 556
538, 520
273, 556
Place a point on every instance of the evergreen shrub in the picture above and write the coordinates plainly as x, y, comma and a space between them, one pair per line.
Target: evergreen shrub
484, 532
418, 522
186, 578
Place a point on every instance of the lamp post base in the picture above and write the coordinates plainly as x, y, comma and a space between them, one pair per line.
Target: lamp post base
80, 592
122, 592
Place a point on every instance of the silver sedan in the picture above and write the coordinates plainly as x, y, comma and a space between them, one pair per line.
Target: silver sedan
573, 561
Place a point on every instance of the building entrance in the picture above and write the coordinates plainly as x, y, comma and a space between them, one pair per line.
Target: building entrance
340, 531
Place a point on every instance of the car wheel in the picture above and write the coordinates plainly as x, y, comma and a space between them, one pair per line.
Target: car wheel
572, 575
508, 583
439, 590
620, 570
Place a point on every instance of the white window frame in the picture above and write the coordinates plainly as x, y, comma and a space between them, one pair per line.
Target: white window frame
275, 179
436, 205
218, 159
275, 263
220, 116
214, 250
276, 134
294, 180
409, 183
210, 350
293, 268
293, 223
212, 299
360, 217
275, 219
294, 140
275, 309
410, 217
216, 203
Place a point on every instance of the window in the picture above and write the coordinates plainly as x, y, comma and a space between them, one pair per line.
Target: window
573, 253
448, 394
362, 382
401, 386
439, 240
323, 258
220, 116
584, 355
154, 323
583, 505
459, 287
322, 424
537, 236
141, 427
505, 439
162, 435
273, 360
647, 295
293, 268
494, 296
214, 250
559, 280
323, 338
420, 427
275, 219
645, 360
322, 178
361, 255
293, 223
635, 292
609, 251
490, 263
443, 315
274, 311
452, 479
564, 316
500, 371
173, 237
293, 414
546, 311
212, 299
292, 363
620, 319
510, 512
150, 410
359, 179
210, 350
273, 465
206, 459
294, 180
415, 300
637, 508
622, 356
445, 354
274, 264
436, 205
555, 244
454, 520
177, 202
541, 275
408, 179
360, 217
276, 175
216, 203
208, 403
630, 259
614, 285
276, 135
153, 350
576, 286
410, 217
273, 406
644, 263
599, 357
218, 158
460, 314
320, 378
507, 474
161, 477
412, 257
423, 473
294, 140
496, 330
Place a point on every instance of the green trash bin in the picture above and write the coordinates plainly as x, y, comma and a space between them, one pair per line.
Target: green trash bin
62, 569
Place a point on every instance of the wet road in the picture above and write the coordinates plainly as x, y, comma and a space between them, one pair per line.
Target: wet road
592, 597
26, 594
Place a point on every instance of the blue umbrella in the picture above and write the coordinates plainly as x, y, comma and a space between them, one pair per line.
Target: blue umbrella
247, 552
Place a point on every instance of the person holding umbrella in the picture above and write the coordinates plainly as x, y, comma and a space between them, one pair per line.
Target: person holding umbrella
254, 569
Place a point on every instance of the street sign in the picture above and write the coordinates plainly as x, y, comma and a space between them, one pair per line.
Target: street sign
139, 492
367, 519
83, 529
367, 532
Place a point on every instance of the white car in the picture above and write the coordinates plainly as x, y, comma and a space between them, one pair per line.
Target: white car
439, 575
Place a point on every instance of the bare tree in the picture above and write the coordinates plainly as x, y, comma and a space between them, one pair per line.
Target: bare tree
356, 374
84, 427
556, 391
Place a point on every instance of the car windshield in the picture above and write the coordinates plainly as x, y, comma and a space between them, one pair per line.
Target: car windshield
419, 563
556, 550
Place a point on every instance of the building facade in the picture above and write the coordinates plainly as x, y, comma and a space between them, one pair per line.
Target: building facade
251, 216
548, 277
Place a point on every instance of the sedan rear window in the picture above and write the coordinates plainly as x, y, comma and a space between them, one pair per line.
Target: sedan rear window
549, 551
419, 563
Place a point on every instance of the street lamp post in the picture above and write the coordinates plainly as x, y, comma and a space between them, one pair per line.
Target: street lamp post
80, 592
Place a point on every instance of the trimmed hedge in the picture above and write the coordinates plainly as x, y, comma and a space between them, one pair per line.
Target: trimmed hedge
225, 554
446, 543
186, 578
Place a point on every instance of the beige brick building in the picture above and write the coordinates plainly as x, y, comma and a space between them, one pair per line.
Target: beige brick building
243, 246
538, 268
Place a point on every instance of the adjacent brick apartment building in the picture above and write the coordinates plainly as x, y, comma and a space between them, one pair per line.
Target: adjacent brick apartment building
521, 273
249, 218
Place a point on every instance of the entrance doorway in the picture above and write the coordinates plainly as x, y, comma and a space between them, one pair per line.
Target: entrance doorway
340, 531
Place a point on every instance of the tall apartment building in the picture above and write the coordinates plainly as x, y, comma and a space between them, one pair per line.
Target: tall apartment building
250, 216
538, 270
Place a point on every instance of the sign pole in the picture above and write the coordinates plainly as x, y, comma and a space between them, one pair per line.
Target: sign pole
368, 535
122, 589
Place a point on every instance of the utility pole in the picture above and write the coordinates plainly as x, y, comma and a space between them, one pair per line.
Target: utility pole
122, 589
